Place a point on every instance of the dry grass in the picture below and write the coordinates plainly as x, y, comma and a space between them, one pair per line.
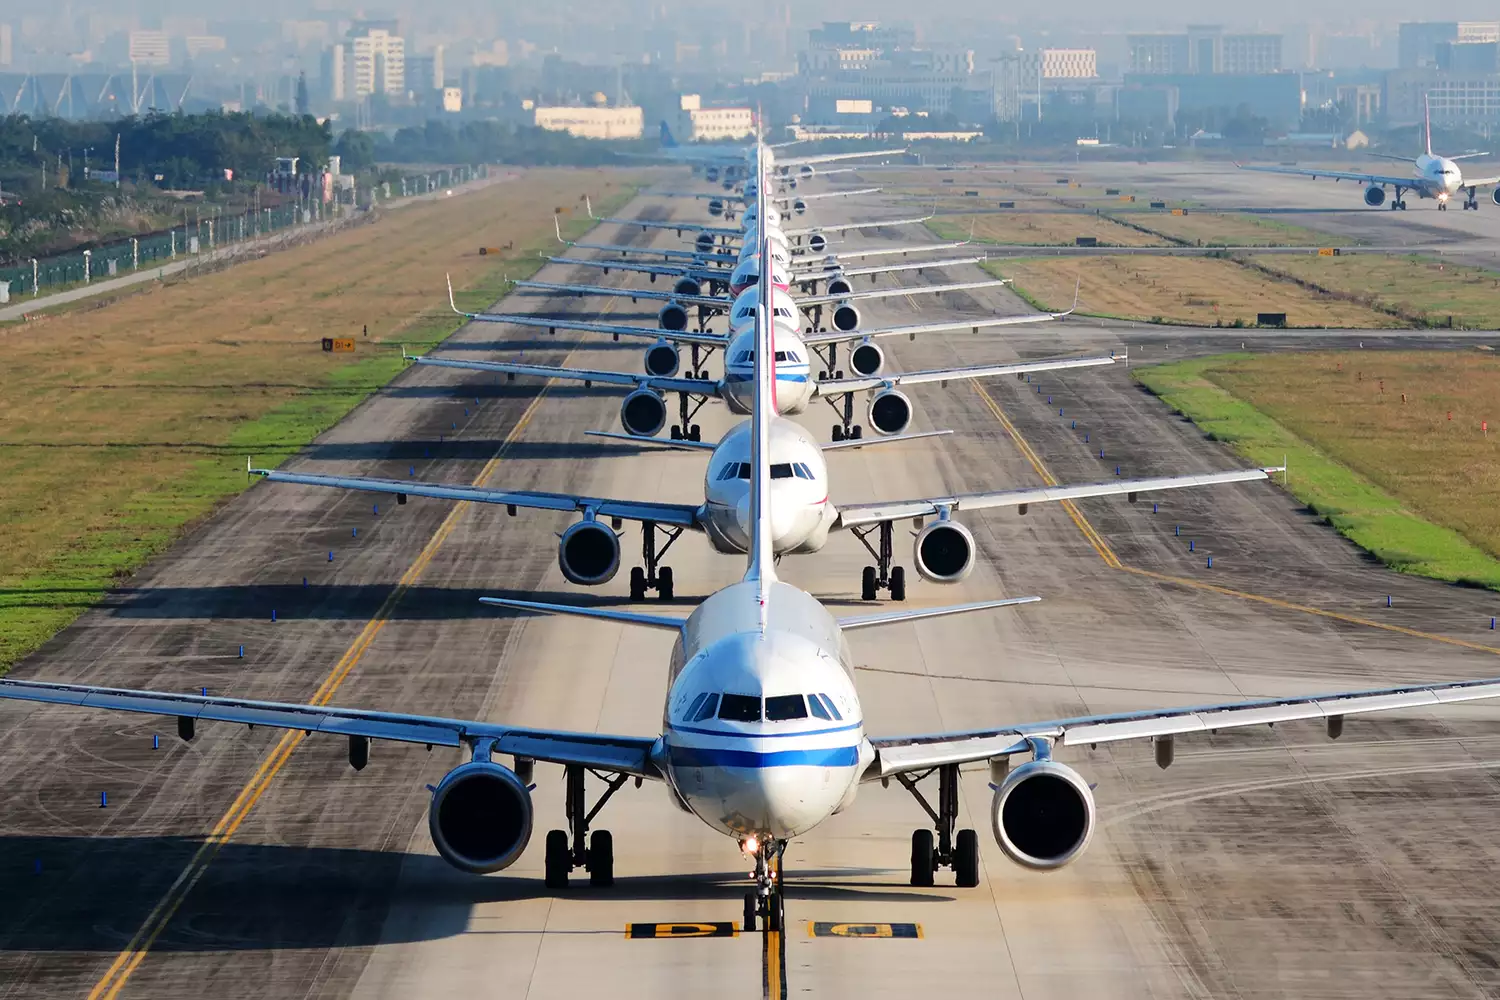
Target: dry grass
1030, 228
1421, 288
1179, 290
119, 425
1231, 229
1372, 443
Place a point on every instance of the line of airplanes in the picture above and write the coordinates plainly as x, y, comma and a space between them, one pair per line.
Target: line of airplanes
762, 737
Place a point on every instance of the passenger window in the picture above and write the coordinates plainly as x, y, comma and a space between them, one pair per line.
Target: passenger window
784, 707
816, 704
739, 708
710, 705
832, 708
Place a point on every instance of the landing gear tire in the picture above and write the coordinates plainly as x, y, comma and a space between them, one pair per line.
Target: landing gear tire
602, 858
838, 432
637, 584
898, 583
695, 433
857, 433
823, 375
559, 862
676, 433
867, 584
922, 865
773, 912
966, 858
750, 911
664, 583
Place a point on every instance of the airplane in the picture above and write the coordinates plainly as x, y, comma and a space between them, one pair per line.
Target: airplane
1433, 176
762, 737
732, 161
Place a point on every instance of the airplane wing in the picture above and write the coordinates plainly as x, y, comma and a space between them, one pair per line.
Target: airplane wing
610, 291
856, 515
839, 386
1480, 181
824, 194
831, 261
678, 227
697, 387
973, 326
797, 161
845, 227
614, 329
631, 510
1411, 182
913, 265
618, 754
684, 270
886, 293
896, 755
683, 445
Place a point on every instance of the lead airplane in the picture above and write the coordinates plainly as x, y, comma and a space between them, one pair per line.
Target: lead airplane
763, 737
1433, 176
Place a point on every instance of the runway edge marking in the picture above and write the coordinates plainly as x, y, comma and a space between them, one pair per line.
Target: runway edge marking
115, 977
1091, 534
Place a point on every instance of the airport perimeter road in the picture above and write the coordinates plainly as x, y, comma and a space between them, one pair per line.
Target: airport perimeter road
1272, 863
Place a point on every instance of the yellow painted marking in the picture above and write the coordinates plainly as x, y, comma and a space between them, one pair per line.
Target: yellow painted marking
1111, 560
821, 929
775, 984
115, 977
682, 929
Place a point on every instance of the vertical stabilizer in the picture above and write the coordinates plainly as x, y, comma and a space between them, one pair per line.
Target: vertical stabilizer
1427, 121
762, 411
668, 141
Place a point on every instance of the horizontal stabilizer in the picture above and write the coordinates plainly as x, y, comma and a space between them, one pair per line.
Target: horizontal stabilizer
607, 614
915, 614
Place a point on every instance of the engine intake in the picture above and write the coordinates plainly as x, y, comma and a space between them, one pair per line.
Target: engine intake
480, 817
867, 358
845, 318
1374, 196
807, 171
1495, 196
1043, 815
799, 206
589, 554
890, 412
839, 285
817, 243
672, 317
944, 552
715, 207
643, 413
704, 242
687, 286
661, 359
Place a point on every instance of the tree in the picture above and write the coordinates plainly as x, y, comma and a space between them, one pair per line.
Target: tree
356, 151
302, 102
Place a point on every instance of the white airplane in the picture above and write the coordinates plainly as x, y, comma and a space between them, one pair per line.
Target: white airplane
1432, 176
643, 412
762, 736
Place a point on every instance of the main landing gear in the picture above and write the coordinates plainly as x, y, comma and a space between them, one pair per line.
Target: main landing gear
1471, 200
701, 354
1399, 202
958, 851
882, 576
653, 576
599, 856
765, 902
687, 410
848, 430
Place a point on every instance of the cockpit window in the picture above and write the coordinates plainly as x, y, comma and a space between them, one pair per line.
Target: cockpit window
739, 708
784, 707
816, 705
828, 703
693, 708
781, 470
707, 709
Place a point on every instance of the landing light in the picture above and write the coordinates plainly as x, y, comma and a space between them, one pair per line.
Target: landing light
750, 845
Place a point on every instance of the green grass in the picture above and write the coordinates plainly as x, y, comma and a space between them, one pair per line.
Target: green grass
1353, 505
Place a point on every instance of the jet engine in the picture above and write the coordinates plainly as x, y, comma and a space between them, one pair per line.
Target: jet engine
1043, 814
817, 243
1374, 196
716, 207
687, 286
661, 360
643, 413
711, 174
480, 817
839, 285
704, 242
799, 206
944, 552
845, 317
867, 358
1495, 196
672, 317
588, 553
807, 171
890, 412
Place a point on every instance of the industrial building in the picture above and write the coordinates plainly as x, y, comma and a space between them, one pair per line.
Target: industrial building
592, 122
695, 123
1204, 48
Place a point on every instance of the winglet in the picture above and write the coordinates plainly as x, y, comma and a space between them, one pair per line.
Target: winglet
557, 228
1077, 284
588, 204
1427, 120
451, 305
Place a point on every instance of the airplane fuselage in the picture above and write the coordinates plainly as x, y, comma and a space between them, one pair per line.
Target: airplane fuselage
1439, 176
801, 515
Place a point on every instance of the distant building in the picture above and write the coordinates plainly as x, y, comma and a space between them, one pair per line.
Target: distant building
150, 48
1276, 97
1467, 57
425, 73
1466, 100
374, 62
7, 50
200, 45
592, 122
1069, 64
865, 60
1204, 48
335, 75
1419, 41
453, 100
696, 123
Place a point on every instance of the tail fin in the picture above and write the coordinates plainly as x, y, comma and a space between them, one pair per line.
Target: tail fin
761, 568
1427, 121
668, 141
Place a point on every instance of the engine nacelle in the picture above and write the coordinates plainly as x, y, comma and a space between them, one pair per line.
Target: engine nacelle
817, 243
845, 317
711, 173
704, 242
1374, 196
643, 413
687, 286
799, 206
480, 817
839, 285
1495, 196
867, 358
716, 207
807, 171
661, 360
944, 552
1043, 815
672, 316
889, 412
588, 553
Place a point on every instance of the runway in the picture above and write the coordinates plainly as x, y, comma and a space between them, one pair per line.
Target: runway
1272, 863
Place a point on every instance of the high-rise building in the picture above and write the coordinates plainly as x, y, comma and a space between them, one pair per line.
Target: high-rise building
7, 50
1069, 64
375, 62
150, 48
1204, 48
335, 75
1419, 40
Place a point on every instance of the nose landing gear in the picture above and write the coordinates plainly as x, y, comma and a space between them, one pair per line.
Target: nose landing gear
765, 903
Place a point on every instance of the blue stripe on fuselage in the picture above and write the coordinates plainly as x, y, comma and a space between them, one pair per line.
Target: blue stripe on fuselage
720, 757
747, 377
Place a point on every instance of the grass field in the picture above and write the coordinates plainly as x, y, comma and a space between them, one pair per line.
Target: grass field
1178, 290
1231, 229
121, 425
1399, 479
1040, 228
1423, 289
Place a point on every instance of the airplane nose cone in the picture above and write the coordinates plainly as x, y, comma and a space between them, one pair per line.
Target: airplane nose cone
784, 521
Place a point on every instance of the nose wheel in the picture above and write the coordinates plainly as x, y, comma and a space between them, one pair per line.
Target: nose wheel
653, 576
765, 905
881, 576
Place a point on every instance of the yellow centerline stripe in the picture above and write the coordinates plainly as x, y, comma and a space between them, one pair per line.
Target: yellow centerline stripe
109, 985
1110, 559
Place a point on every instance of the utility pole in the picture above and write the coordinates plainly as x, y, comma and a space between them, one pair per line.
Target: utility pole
117, 160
